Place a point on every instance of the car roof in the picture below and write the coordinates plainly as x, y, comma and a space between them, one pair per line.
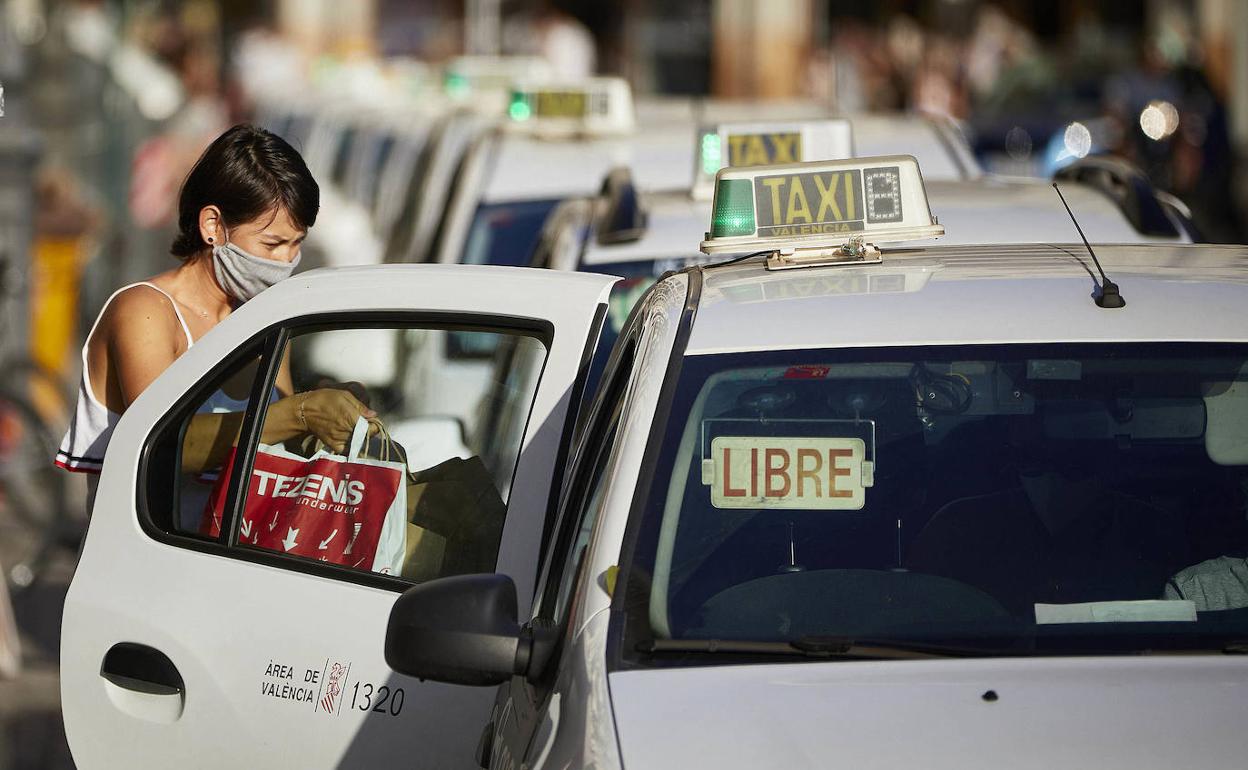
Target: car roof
941, 149
922, 137
1000, 210
660, 155
987, 210
531, 168
976, 295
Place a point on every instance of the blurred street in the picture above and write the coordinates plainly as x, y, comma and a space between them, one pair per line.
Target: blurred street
30, 705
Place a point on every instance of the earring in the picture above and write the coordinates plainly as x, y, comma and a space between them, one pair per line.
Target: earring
210, 239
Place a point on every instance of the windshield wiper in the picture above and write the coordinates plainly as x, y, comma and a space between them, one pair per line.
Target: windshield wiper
807, 646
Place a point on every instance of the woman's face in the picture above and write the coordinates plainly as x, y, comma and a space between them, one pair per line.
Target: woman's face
272, 235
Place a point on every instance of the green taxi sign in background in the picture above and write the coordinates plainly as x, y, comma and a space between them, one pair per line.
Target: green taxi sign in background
747, 144
764, 149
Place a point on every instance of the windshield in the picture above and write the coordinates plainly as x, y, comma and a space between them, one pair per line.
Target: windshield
502, 234
1015, 499
506, 233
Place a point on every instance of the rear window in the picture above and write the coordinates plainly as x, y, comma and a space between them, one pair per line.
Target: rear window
1033, 499
506, 233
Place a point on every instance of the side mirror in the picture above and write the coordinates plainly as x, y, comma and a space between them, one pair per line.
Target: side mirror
463, 630
624, 219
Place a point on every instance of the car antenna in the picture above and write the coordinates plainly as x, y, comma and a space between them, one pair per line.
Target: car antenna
1109, 297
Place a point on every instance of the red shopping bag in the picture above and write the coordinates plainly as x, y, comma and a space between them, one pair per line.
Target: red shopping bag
347, 510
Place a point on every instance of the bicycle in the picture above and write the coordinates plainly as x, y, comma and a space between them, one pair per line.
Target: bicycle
33, 495
35, 518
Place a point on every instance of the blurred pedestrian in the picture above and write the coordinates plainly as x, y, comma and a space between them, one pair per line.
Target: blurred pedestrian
555, 35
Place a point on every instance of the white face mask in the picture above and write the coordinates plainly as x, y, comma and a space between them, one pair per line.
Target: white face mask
244, 275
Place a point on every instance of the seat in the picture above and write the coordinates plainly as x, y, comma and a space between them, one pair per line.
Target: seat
1052, 539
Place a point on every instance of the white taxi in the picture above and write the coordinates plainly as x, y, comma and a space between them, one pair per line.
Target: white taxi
841, 504
831, 503
639, 235
975, 208
512, 178
561, 141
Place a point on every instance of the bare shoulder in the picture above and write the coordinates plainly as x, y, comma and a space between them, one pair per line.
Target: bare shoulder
142, 315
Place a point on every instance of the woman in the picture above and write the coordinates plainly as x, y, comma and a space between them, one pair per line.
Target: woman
243, 213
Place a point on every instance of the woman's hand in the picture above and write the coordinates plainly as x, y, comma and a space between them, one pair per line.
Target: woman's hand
330, 414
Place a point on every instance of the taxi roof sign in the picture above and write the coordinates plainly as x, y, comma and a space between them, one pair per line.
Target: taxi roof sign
593, 106
735, 145
822, 212
466, 76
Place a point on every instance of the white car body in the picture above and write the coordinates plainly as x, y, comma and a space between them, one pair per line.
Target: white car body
220, 619
180, 601
988, 210
932, 713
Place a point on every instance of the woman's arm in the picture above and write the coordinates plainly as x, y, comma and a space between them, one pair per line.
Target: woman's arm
329, 414
285, 382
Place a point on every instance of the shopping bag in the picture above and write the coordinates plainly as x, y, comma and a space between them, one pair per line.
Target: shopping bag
342, 509
457, 501
424, 554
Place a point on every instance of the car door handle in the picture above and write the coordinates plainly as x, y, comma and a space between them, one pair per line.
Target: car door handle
142, 669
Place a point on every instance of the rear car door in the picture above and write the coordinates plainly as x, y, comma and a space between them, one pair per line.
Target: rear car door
199, 629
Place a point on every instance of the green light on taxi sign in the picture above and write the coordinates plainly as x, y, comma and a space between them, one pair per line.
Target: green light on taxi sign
711, 155
455, 85
734, 208
519, 109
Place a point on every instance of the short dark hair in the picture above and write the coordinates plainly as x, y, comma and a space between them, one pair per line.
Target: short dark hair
245, 172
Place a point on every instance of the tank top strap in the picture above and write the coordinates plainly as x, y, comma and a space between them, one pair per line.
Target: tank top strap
181, 320
178, 313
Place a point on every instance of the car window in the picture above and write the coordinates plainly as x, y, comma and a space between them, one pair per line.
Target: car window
582, 525
398, 223
357, 465
501, 234
506, 233
199, 433
639, 276
585, 491
1026, 498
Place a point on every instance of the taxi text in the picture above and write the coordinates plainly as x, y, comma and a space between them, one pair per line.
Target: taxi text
560, 104
808, 204
764, 149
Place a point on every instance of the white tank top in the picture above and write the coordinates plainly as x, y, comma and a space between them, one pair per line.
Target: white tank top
82, 448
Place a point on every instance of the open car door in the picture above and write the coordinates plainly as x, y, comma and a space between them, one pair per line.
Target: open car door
205, 625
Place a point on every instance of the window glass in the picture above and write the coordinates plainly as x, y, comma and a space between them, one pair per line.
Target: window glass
190, 447
587, 518
501, 234
342, 156
360, 467
374, 170
397, 224
506, 233
638, 276
1028, 498
585, 492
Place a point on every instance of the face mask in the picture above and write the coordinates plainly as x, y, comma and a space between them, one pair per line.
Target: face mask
244, 275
